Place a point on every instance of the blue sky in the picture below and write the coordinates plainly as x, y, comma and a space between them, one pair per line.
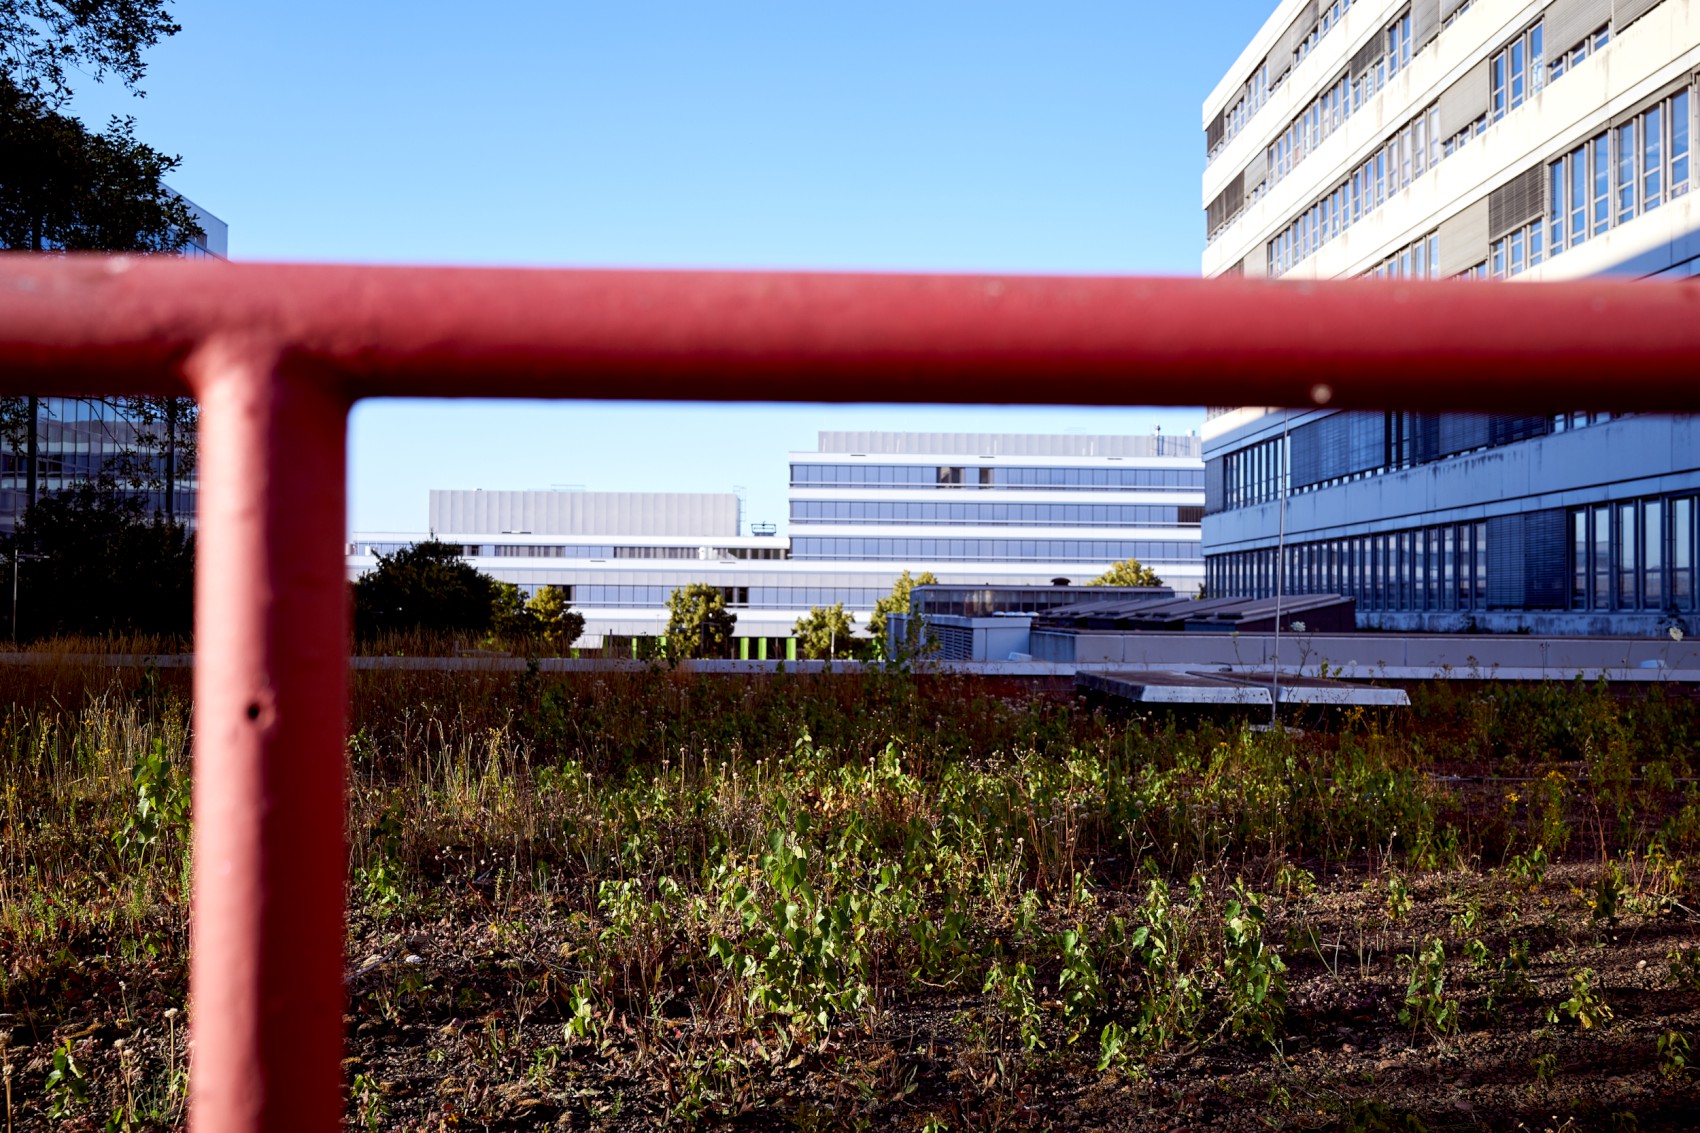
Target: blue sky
922, 136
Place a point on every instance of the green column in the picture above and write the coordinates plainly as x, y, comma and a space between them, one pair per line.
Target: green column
761, 648
743, 649
790, 649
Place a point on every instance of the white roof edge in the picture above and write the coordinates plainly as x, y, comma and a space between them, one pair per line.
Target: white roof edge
1228, 86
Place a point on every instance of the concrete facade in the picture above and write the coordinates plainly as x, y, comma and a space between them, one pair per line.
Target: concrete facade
1495, 139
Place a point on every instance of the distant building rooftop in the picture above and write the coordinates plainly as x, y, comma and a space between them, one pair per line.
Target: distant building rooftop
462, 512
1007, 444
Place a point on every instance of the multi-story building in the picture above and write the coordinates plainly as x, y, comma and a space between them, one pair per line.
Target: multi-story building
1521, 140
145, 445
972, 509
1017, 508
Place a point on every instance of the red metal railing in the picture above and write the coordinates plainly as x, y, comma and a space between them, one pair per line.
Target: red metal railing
277, 354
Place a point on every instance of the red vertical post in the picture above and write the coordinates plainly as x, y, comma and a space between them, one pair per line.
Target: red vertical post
271, 628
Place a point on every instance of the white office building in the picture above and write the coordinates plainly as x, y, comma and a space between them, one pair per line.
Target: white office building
975, 509
1001, 508
1488, 139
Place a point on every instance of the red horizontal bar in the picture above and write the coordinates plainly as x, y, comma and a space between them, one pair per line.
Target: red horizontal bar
114, 324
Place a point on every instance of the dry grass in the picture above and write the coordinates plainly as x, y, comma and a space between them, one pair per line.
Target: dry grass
632, 899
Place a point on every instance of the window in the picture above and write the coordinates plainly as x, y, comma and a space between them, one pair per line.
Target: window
1683, 529
1516, 73
1567, 59
1621, 173
1652, 555
1407, 154
1518, 250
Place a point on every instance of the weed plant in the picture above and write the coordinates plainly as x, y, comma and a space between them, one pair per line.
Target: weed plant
634, 898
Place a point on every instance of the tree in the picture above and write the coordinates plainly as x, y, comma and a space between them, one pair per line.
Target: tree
558, 624
426, 587
825, 633
42, 41
698, 622
897, 602
99, 565
1128, 572
65, 187
546, 619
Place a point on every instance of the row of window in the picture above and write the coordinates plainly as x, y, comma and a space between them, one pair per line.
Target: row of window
1610, 179
1626, 555
53, 465
1634, 555
1620, 173
1257, 473
980, 602
1344, 97
1256, 90
1023, 515
1431, 568
1396, 43
14, 500
962, 476
1513, 253
1404, 157
1566, 60
1516, 74
581, 551
1252, 97
860, 548
1417, 260
1615, 176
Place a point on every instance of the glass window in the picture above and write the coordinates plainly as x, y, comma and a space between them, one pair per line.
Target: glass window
1602, 558
1679, 143
1626, 556
1652, 160
1578, 162
1652, 555
1481, 549
1682, 554
1579, 559
1626, 180
1602, 186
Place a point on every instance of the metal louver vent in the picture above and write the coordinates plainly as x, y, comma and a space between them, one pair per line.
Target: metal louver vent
1517, 202
1226, 206
1367, 55
1626, 12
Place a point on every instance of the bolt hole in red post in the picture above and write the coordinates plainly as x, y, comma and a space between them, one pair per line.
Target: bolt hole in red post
277, 355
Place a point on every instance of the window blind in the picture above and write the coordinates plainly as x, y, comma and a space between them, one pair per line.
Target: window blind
1568, 21
1463, 240
1626, 12
1464, 101
1517, 202
1425, 23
